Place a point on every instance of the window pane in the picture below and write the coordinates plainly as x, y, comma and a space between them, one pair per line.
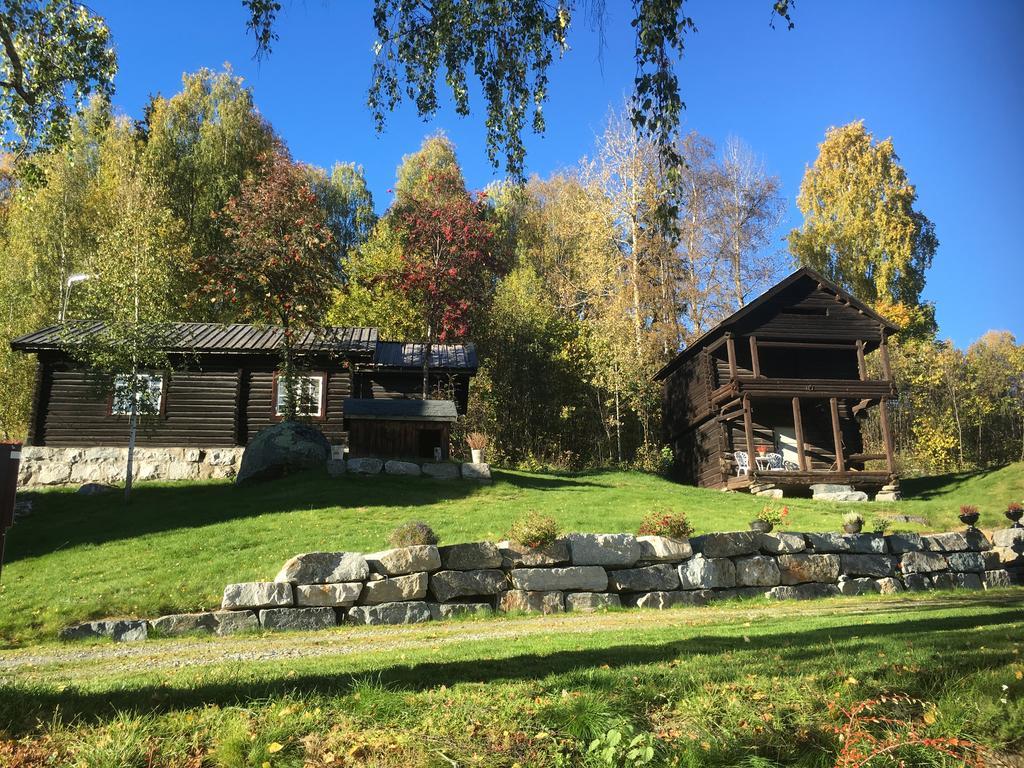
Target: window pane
148, 394
308, 395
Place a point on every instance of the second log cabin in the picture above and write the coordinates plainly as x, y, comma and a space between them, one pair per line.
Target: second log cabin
775, 395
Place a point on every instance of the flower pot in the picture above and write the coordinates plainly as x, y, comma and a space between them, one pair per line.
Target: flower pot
761, 526
969, 518
478, 455
1014, 516
852, 527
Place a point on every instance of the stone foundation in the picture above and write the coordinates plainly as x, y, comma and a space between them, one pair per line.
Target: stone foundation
43, 466
593, 571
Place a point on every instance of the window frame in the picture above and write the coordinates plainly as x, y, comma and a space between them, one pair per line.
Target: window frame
275, 390
161, 409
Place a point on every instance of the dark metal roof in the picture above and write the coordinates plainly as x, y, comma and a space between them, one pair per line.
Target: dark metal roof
213, 338
397, 354
400, 410
804, 273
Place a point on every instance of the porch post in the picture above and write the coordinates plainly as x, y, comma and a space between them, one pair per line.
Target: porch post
798, 427
883, 350
730, 348
755, 362
837, 435
748, 429
883, 417
862, 367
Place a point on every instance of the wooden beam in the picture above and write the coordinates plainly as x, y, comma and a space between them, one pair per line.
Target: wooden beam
883, 350
805, 344
883, 417
862, 366
798, 427
748, 430
755, 363
837, 435
730, 348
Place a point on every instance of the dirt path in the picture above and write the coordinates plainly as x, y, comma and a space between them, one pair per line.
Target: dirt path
199, 651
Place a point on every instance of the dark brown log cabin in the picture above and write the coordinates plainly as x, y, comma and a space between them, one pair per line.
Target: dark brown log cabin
784, 375
223, 387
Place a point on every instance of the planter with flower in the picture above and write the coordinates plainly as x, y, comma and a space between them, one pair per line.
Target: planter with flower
477, 442
768, 518
969, 515
853, 522
1014, 512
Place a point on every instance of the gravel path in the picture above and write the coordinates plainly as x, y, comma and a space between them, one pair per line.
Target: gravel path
178, 653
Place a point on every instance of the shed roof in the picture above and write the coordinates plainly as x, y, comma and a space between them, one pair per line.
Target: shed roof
766, 298
230, 338
397, 354
400, 410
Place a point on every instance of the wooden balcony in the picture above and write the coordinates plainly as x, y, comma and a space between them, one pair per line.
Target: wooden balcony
764, 387
869, 480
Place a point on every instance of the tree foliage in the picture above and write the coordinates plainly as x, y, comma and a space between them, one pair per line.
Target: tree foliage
861, 227
54, 54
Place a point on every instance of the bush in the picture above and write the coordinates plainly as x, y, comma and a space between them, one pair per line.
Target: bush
653, 459
413, 533
853, 518
534, 530
674, 525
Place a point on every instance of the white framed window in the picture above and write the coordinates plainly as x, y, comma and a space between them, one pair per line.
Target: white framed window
148, 393
309, 396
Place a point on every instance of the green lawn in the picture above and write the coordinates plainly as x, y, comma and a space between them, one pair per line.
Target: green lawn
747, 684
175, 546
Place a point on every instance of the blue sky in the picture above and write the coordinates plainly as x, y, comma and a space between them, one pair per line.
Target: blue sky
945, 79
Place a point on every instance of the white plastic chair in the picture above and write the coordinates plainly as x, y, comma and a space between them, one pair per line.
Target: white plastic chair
742, 463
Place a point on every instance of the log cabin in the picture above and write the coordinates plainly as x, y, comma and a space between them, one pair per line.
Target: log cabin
222, 388
774, 396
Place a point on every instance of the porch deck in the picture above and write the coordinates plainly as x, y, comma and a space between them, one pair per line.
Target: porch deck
797, 479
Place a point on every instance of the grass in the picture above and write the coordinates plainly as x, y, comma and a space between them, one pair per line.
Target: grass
744, 684
176, 545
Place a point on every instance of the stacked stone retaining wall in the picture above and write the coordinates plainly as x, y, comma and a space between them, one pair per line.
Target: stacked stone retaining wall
586, 572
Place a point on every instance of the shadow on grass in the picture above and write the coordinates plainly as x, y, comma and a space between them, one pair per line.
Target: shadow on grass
25, 707
64, 519
936, 486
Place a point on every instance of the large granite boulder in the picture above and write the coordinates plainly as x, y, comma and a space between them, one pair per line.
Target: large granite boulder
707, 573
298, 618
922, 562
441, 470
757, 571
119, 630
403, 560
862, 586
727, 544
472, 556
1010, 538
257, 594
877, 566
282, 448
333, 595
395, 589
449, 585
518, 556
804, 568
864, 543
184, 623
904, 542
802, 591
997, 579
586, 602
396, 467
233, 622
412, 612
364, 466
652, 578
782, 543
614, 550
481, 472
951, 541
584, 578
662, 549
324, 568
663, 599
966, 561
523, 601
458, 610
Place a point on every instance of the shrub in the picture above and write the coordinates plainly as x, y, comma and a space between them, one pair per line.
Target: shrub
771, 514
413, 533
880, 524
653, 460
674, 525
853, 518
534, 530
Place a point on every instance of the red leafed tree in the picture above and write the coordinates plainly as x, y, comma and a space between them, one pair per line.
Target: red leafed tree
280, 265
446, 255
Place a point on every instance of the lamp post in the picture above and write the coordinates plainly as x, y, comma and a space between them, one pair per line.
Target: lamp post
72, 279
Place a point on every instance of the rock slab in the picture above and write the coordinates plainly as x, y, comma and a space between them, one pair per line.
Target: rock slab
662, 577
324, 568
707, 573
282, 448
472, 556
523, 601
389, 613
257, 594
395, 589
586, 578
332, 595
285, 619
449, 585
403, 560
615, 550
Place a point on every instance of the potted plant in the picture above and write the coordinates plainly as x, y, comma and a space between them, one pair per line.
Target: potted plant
969, 515
853, 522
1014, 512
477, 441
768, 518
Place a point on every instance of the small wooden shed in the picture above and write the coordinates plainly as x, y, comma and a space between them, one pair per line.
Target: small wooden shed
399, 429
775, 394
